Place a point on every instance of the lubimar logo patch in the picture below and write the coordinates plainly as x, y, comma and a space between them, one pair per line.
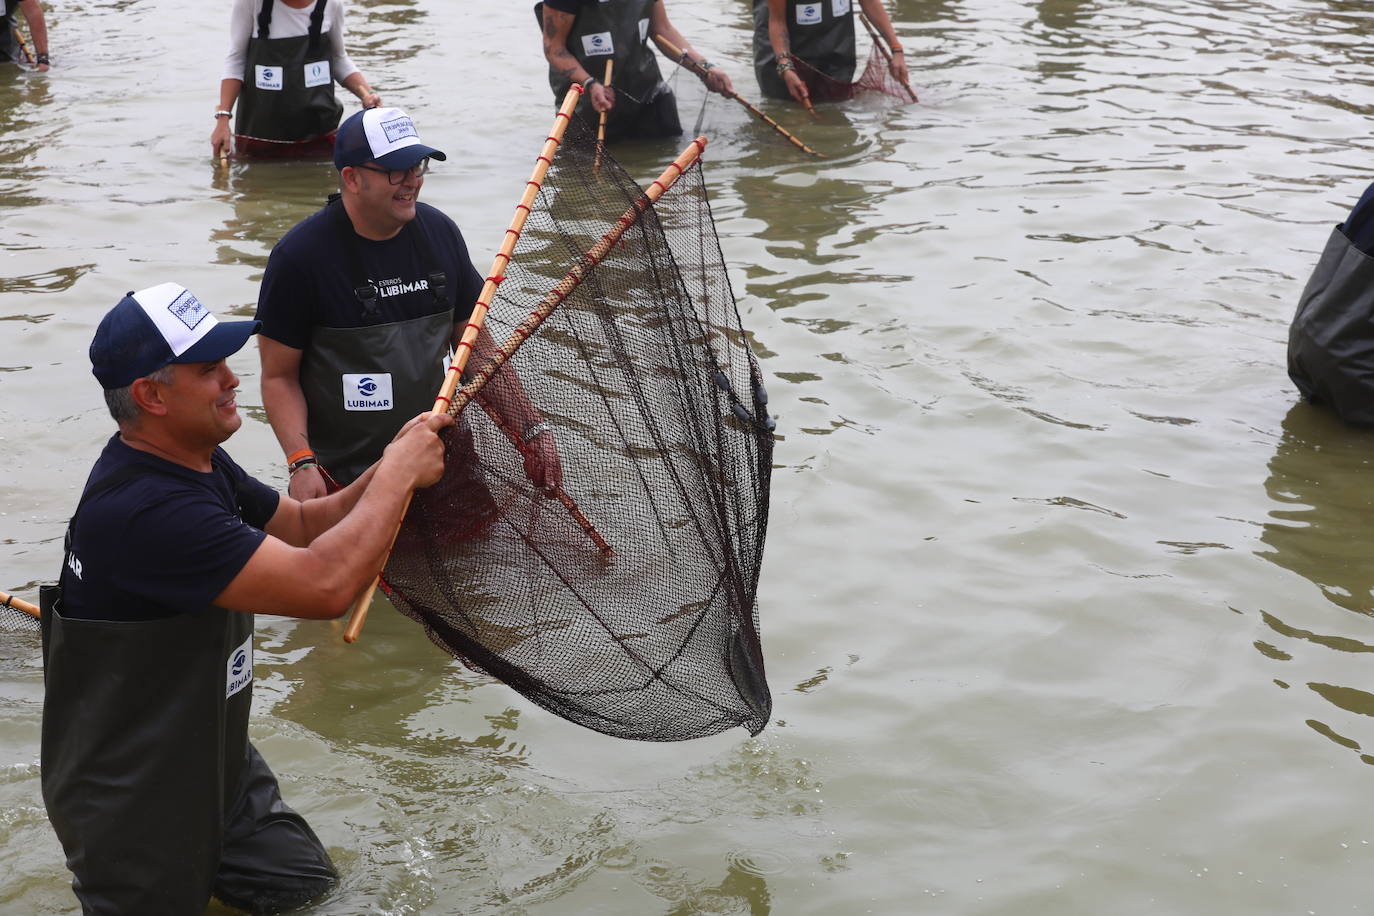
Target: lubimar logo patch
187, 309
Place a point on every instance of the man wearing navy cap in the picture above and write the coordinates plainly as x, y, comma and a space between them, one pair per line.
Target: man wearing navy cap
150, 782
360, 305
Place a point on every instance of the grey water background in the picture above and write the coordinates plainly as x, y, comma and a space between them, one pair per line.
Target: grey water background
1067, 602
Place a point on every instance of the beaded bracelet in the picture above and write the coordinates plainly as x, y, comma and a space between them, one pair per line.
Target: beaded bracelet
785, 64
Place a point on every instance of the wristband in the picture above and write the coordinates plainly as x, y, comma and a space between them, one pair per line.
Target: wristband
587, 82
301, 465
896, 51
298, 454
536, 429
221, 113
42, 59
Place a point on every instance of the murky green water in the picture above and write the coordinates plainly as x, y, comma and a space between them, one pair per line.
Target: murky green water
1067, 607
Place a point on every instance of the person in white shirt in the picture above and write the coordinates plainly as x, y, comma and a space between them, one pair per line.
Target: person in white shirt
284, 57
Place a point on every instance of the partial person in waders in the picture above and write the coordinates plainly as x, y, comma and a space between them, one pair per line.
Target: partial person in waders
361, 303
805, 49
151, 784
13, 49
284, 57
582, 36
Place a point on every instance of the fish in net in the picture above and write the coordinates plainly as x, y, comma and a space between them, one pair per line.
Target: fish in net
628, 603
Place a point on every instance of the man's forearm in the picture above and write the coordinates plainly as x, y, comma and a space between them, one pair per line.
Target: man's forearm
284, 402
38, 27
319, 515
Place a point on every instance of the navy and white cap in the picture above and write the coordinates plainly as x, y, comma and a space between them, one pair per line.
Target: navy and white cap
386, 136
160, 325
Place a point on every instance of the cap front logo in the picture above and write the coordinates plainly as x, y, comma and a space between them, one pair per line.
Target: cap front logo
188, 309
398, 129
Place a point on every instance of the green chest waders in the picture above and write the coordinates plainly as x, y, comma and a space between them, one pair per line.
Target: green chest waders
144, 747
362, 384
821, 33
288, 90
619, 30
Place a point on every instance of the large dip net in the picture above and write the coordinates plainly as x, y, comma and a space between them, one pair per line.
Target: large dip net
627, 604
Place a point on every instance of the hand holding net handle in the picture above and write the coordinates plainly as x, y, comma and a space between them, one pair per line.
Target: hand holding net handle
574, 277
881, 44
677, 54
601, 122
19, 604
463, 349
28, 59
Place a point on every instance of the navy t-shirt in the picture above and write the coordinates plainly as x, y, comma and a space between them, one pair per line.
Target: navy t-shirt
310, 277
166, 540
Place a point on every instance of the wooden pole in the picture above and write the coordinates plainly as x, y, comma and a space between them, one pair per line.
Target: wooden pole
18, 604
464, 347
601, 123
881, 44
674, 52
573, 278
24, 46
560, 494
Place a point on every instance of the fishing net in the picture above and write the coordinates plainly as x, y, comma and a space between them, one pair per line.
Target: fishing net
876, 77
655, 400
12, 618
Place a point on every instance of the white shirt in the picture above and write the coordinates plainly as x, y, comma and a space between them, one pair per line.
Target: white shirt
287, 22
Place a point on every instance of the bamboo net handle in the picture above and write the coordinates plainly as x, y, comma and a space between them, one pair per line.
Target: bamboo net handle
601, 123
573, 278
28, 59
887, 52
463, 349
560, 494
19, 604
676, 53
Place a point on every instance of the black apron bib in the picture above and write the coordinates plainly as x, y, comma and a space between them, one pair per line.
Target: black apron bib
820, 32
1331, 340
362, 384
619, 30
10, 52
288, 91
141, 764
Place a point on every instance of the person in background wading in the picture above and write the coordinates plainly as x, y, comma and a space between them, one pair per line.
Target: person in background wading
151, 784
284, 56
820, 36
360, 303
10, 49
580, 36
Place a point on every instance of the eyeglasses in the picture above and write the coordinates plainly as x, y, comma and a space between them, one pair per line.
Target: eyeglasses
396, 176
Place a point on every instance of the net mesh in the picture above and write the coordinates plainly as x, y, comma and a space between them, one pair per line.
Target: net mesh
11, 618
655, 400
876, 77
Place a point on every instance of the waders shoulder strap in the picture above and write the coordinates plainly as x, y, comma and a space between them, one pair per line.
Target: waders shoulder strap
265, 19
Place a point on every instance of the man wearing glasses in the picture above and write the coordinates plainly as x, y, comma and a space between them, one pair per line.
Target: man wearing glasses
360, 304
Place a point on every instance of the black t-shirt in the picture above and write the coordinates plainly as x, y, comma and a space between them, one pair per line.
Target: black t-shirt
166, 540
310, 276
